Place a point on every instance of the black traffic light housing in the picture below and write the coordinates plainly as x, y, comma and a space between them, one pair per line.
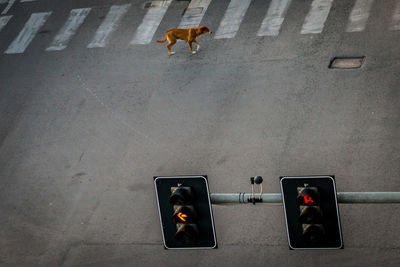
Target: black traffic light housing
185, 212
311, 212
181, 195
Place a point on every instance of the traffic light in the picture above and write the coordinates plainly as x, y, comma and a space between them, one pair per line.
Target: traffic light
311, 216
311, 212
185, 212
184, 216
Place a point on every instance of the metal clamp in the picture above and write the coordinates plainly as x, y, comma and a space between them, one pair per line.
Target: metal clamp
257, 180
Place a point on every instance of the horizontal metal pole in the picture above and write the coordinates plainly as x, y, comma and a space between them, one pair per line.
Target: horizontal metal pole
368, 197
343, 197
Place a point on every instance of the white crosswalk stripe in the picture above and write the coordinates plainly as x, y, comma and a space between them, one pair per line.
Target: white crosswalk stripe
359, 16
75, 19
194, 13
9, 5
274, 18
145, 32
232, 19
109, 25
395, 25
27, 34
4, 20
315, 19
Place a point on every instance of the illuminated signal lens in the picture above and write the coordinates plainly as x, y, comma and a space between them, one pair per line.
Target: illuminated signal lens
307, 199
184, 214
308, 196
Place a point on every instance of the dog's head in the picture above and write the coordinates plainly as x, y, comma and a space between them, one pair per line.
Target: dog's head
204, 29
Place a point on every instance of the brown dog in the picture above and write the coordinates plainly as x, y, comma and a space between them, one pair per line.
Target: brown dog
188, 35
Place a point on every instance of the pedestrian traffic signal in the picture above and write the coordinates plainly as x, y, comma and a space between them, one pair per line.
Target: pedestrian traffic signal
311, 212
185, 212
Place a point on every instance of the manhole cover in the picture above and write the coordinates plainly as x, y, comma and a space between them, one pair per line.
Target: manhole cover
156, 4
346, 62
194, 11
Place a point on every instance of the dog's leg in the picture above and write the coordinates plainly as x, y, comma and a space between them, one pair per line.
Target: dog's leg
171, 42
191, 49
198, 45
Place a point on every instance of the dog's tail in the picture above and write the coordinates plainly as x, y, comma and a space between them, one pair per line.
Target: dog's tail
162, 41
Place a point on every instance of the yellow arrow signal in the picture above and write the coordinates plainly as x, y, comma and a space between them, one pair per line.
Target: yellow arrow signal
182, 216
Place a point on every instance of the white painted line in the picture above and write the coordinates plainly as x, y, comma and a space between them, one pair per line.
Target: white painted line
109, 25
27, 34
4, 20
194, 13
315, 19
23, 1
10, 4
274, 18
75, 19
359, 16
145, 32
395, 25
232, 19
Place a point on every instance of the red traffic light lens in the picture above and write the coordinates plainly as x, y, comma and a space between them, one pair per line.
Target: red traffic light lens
308, 196
307, 199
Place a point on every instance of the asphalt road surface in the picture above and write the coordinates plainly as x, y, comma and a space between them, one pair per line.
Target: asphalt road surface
92, 108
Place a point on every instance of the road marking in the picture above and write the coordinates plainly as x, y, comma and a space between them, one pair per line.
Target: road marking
359, 16
232, 19
4, 20
3, 1
24, 1
194, 13
315, 19
274, 18
27, 34
395, 25
9, 5
145, 32
75, 19
109, 25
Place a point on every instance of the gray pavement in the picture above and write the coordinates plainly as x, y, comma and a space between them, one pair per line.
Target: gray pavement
83, 131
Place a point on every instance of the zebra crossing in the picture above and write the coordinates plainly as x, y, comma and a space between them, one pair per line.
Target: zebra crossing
194, 13
27, 34
109, 25
359, 15
150, 22
314, 21
232, 19
75, 19
273, 20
